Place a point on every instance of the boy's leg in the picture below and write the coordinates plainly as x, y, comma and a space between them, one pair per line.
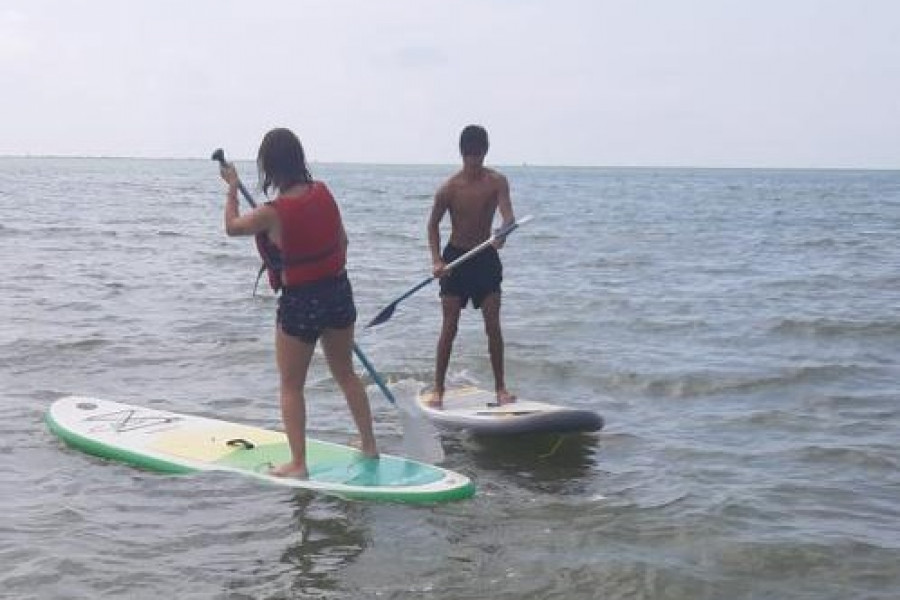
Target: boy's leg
451, 307
490, 310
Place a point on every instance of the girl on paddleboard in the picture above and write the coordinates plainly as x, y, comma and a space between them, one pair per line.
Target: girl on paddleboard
303, 225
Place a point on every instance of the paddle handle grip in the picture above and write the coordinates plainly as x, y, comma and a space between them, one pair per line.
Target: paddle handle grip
219, 156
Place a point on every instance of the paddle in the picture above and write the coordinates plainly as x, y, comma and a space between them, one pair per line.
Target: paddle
219, 156
433, 452
268, 251
388, 311
421, 439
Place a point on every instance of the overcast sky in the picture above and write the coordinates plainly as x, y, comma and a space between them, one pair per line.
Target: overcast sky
780, 83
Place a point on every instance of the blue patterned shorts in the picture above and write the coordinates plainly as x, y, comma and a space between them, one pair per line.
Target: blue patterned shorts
305, 311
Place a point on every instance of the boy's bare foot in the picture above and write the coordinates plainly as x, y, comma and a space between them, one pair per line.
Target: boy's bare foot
290, 469
504, 397
435, 400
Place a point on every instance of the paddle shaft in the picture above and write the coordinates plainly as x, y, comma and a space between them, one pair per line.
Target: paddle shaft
501, 233
219, 155
373, 373
468, 255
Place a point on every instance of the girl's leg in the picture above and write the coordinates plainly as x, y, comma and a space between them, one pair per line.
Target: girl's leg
338, 347
293, 356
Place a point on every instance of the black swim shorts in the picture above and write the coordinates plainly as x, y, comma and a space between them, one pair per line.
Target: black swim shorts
305, 311
475, 278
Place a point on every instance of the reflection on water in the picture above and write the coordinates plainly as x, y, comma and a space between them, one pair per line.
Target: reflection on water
330, 534
550, 463
324, 536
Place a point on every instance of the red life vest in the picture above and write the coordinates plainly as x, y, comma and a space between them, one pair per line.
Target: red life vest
312, 247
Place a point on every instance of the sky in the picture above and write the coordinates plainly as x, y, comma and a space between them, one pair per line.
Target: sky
715, 83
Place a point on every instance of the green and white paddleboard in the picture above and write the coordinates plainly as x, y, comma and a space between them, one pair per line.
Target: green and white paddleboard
177, 443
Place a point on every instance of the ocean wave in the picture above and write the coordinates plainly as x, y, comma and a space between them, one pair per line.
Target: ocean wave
22, 351
790, 567
865, 405
709, 383
871, 456
782, 420
617, 261
827, 327
416, 196
77, 345
56, 232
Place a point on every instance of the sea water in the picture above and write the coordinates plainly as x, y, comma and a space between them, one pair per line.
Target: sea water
738, 329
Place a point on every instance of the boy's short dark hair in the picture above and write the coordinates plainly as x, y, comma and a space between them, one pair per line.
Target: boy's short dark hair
473, 141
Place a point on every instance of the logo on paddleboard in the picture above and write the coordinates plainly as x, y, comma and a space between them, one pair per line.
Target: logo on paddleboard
122, 421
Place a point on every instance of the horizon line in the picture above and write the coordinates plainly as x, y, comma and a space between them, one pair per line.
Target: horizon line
523, 164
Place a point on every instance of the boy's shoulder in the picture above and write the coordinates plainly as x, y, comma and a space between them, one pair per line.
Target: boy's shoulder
459, 178
495, 175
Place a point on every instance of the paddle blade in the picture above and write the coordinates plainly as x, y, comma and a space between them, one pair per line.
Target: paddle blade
388, 310
421, 439
386, 313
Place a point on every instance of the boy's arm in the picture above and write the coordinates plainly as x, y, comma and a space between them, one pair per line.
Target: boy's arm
438, 209
504, 205
504, 202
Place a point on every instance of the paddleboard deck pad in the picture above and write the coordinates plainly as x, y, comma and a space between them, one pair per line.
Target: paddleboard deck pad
473, 409
178, 443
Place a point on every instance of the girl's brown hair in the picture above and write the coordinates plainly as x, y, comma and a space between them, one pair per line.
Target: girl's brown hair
281, 161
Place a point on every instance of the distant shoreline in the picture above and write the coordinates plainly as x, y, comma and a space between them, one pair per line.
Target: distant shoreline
451, 165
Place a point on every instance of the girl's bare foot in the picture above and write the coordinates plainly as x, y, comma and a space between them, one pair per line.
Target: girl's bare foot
370, 450
290, 469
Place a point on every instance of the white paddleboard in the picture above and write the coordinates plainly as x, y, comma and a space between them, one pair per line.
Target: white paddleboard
178, 443
475, 410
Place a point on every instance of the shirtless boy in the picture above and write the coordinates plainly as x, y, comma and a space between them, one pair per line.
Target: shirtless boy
471, 197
